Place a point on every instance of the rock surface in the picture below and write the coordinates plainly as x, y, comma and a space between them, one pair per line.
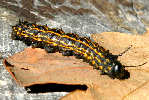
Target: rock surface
77, 16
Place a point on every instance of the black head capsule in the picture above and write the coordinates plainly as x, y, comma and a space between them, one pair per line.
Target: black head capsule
118, 71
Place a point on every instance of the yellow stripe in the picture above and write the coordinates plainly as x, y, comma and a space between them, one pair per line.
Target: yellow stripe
66, 36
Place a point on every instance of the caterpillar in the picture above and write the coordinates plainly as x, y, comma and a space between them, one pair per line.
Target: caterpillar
69, 44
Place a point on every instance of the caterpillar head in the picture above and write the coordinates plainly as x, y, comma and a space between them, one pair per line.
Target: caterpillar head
118, 71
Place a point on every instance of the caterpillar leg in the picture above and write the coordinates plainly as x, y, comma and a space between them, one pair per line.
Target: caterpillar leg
50, 49
36, 44
67, 53
78, 56
27, 41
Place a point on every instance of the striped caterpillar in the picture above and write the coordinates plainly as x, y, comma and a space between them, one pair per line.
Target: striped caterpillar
69, 44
